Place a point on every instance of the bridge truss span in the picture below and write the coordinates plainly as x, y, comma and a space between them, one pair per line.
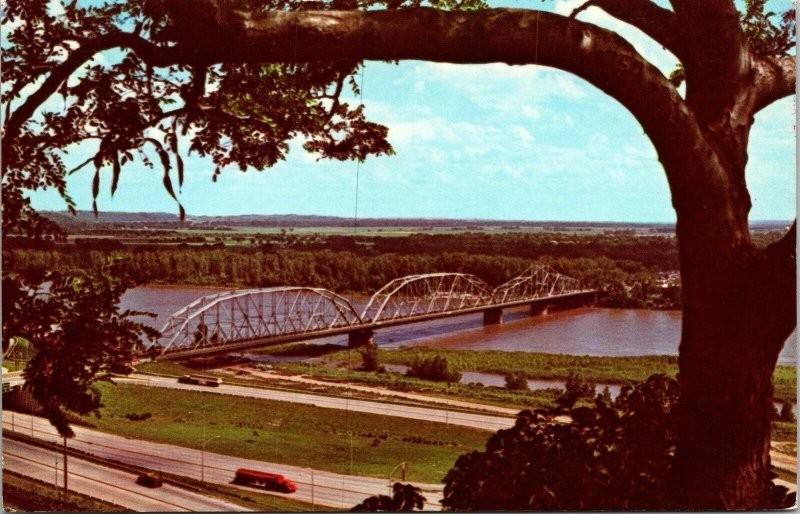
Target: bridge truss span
255, 314
420, 295
535, 282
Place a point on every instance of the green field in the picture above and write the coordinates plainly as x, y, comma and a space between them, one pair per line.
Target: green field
287, 433
543, 366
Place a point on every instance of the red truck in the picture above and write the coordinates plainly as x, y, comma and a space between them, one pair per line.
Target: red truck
269, 481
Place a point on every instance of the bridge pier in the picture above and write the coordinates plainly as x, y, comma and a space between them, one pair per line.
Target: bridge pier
493, 317
539, 309
359, 338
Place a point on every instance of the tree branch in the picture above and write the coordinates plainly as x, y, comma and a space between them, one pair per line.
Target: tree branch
786, 246
716, 61
775, 78
512, 36
658, 23
153, 54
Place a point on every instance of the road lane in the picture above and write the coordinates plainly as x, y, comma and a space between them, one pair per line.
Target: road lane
313, 486
105, 483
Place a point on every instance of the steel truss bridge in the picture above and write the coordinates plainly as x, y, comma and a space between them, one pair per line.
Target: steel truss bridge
239, 320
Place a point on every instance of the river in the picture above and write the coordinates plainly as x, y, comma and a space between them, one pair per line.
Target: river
595, 332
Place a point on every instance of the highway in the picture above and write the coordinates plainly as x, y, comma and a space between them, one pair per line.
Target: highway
471, 420
479, 421
104, 483
317, 487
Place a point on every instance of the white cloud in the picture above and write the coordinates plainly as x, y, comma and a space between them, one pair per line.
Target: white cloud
522, 134
490, 83
531, 112
650, 50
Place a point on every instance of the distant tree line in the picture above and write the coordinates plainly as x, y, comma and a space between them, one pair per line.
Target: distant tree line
338, 271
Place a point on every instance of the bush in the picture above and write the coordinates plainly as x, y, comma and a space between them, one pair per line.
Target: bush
786, 413
575, 388
132, 416
516, 381
369, 358
405, 498
609, 457
435, 368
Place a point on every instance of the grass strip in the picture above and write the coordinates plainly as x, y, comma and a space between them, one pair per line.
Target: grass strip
286, 433
31, 495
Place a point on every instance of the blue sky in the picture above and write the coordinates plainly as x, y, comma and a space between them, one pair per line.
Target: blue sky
490, 141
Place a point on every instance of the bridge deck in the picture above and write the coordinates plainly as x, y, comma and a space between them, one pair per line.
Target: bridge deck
246, 344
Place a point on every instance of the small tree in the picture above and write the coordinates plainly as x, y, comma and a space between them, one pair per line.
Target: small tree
516, 381
369, 358
436, 368
575, 388
405, 498
786, 413
78, 336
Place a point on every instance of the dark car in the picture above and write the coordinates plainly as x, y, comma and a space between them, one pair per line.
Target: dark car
150, 479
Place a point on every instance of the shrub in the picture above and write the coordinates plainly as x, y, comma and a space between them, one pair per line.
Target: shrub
369, 358
138, 417
609, 457
575, 388
786, 413
516, 381
436, 368
405, 498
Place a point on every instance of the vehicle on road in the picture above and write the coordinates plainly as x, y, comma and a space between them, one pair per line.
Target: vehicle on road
269, 481
200, 380
149, 479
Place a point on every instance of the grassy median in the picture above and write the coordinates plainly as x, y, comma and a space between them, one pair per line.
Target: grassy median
31, 495
287, 433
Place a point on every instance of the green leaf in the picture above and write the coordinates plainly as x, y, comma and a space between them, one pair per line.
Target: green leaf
180, 170
168, 184
115, 175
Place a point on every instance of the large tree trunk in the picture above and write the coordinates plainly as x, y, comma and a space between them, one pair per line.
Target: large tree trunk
739, 308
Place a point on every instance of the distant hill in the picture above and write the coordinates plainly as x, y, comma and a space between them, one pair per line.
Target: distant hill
85, 220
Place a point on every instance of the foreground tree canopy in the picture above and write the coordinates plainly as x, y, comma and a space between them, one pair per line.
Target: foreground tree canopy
614, 455
240, 78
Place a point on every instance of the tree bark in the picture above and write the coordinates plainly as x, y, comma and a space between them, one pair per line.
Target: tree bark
738, 309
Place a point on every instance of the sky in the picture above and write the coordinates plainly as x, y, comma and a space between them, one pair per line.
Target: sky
486, 141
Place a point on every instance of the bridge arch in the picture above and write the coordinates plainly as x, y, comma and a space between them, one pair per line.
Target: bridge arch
254, 314
535, 282
431, 293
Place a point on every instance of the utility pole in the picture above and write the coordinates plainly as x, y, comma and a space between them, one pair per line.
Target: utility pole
65, 468
55, 477
203, 459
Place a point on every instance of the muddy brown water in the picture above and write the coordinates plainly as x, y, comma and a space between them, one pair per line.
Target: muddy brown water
594, 332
